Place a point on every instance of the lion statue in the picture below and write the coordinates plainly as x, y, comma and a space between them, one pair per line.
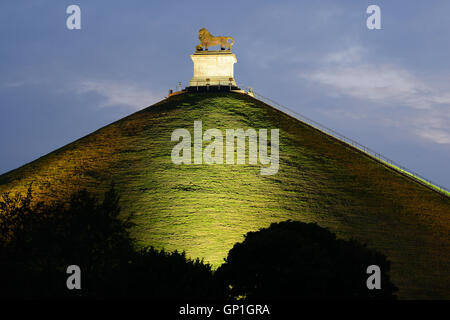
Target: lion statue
208, 40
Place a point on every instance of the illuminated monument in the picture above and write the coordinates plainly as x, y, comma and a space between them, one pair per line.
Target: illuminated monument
213, 70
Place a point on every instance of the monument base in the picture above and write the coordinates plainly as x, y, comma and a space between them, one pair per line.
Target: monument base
213, 68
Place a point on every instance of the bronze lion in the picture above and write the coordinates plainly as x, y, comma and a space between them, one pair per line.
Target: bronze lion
208, 40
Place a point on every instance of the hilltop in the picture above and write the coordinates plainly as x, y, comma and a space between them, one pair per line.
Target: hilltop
205, 209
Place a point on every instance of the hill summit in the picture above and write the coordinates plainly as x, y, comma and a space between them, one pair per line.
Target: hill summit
205, 208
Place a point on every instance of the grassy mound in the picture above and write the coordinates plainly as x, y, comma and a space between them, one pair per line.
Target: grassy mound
205, 209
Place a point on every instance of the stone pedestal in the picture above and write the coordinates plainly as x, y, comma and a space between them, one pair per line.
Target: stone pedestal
214, 68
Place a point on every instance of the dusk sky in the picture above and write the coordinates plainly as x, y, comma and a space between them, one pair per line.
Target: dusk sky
389, 89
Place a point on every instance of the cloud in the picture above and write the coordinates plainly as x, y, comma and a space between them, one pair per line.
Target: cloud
435, 135
389, 87
433, 125
131, 95
347, 56
379, 83
346, 72
13, 84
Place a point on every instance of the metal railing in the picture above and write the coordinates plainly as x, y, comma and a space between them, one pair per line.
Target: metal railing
212, 82
410, 173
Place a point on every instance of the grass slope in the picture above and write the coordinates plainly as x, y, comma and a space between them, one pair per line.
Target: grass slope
205, 209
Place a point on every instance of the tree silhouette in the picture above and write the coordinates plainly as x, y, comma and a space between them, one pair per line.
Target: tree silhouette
291, 260
159, 275
38, 242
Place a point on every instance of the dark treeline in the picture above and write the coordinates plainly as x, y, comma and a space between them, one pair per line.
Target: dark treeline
38, 242
287, 260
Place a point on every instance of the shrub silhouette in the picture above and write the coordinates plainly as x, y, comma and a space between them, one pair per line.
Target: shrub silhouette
161, 275
38, 242
297, 260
